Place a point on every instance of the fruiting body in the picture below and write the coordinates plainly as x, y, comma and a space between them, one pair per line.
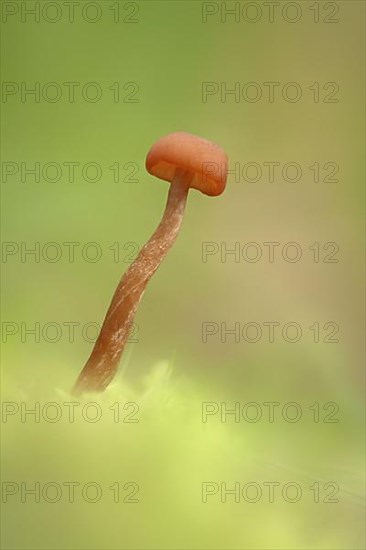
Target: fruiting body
186, 161
203, 159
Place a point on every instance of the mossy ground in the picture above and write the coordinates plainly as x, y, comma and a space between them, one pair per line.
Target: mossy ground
164, 458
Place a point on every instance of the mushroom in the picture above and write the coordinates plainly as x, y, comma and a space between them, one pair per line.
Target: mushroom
186, 161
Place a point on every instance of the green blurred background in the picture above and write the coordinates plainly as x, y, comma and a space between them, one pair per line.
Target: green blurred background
169, 52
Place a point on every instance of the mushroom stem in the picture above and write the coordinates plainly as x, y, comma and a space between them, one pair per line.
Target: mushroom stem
102, 364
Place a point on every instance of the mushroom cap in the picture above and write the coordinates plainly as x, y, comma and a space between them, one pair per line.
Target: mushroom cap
205, 161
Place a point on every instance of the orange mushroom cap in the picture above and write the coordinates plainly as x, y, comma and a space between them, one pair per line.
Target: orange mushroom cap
205, 161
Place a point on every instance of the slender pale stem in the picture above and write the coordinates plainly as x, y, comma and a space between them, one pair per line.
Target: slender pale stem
102, 364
